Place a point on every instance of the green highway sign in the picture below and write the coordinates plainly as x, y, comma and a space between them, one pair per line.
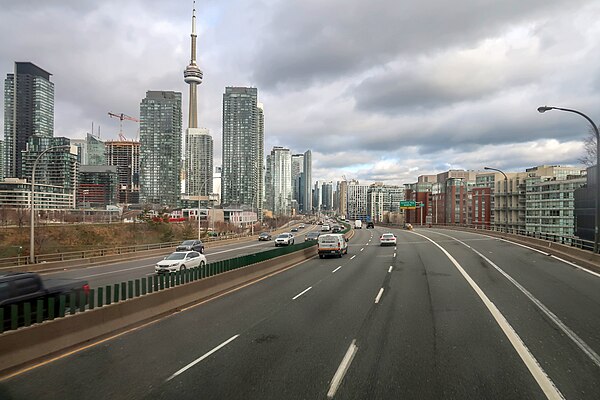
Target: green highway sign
408, 204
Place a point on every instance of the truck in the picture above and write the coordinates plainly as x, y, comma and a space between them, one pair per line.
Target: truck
358, 224
333, 244
17, 288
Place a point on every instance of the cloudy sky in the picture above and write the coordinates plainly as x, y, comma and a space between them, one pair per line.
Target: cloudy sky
379, 90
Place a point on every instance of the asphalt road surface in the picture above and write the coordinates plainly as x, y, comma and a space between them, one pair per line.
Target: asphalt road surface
442, 315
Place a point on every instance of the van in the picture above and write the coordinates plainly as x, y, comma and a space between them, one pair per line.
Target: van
334, 244
358, 224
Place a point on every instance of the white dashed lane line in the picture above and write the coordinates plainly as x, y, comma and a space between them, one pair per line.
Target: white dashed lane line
301, 293
379, 296
352, 258
333, 272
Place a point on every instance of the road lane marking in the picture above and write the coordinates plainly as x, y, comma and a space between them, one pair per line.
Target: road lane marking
522, 245
390, 270
362, 249
378, 296
395, 248
566, 330
544, 382
301, 293
367, 243
394, 255
576, 266
237, 248
190, 365
342, 369
352, 258
115, 272
333, 272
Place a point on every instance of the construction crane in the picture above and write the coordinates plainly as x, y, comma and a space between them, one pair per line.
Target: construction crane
121, 118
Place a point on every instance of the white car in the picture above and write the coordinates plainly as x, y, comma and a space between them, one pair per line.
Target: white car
387, 239
285, 239
180, 261
325, 228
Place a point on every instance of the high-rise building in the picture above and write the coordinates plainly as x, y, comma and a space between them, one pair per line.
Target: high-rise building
125, 155
58, 167
28, 111
98, 186
357, 201
260, 158
243, 136
280, 182
327, 196
297, 170
217, 185
199, 162
160, 148
95, 149
80, 144
383, 200
585, 206
307, 184
1, 160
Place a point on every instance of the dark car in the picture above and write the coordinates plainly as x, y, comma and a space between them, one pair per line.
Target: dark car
294, 229
336, 229
370, 225
314, 236
265, 236
191, 245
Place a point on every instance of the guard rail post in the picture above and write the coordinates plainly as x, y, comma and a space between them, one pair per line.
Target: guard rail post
108, 295
39, 314
27, 314
100, 296
51, 302
144, 290
62, 300
116, 294
92, 299
14, 316
137, 288
130, 289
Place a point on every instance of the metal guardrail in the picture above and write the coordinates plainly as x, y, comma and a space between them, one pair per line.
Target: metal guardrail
28, 313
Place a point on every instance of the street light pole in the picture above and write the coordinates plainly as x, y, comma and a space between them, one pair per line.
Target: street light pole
542, 110
32, 202
506, 196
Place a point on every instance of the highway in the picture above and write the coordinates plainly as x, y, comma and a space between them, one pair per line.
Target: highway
442, 315
121, 271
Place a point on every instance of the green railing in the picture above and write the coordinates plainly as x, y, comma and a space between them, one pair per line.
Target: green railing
39, 310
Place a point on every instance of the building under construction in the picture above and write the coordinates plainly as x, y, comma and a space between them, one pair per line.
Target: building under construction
125, 155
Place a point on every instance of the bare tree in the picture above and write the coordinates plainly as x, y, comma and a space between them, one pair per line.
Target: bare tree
589, 149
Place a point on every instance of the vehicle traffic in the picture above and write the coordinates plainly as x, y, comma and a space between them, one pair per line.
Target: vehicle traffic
284, 239
294, 229
387, 239
325, 228
180, 261
370, 225
333, 244
191, 245
358, 224
264, 236
314, 236
20, 287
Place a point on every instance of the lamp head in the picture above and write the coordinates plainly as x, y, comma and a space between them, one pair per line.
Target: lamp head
543, 109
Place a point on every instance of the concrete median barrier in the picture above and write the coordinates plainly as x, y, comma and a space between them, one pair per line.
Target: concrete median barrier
25, 345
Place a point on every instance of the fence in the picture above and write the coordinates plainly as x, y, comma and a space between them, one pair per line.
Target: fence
28, 313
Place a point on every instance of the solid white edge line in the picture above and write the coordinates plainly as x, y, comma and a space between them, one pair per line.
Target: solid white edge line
390, 270
301, 293
352, 258
577, 266
557, 321
333, 272
544, 382
379, 296
342, 369
522, 245
190, 365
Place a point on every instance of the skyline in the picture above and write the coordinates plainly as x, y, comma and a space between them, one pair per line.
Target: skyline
385, 104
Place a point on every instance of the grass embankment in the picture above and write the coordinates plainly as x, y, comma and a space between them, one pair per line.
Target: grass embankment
65, 238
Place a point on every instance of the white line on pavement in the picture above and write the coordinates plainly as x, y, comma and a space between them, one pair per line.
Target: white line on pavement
522, 245
545, 383
394, 255
567, 331
352, 258
333, 272
395, 248
190, 365
362, 249
378, 296
342, 369
301, 293
114, 272
237, 248
390, 270
577, 266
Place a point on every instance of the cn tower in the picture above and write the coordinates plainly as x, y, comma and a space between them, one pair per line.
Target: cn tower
193, 76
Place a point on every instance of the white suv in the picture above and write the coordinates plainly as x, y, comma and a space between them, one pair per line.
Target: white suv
285, 239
